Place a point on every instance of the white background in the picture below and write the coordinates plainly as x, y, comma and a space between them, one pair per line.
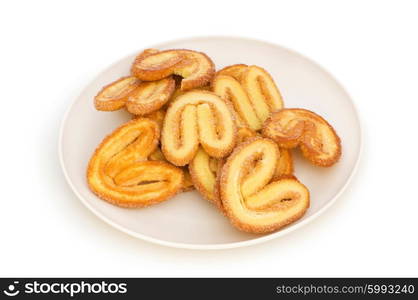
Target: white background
51, 49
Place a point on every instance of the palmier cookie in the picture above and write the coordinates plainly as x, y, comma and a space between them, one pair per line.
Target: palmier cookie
252, 200
317, 139
252, 92
196, 68
197, 117
114, 95
119, 173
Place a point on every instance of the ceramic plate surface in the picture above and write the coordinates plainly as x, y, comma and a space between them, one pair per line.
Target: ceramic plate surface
189, 221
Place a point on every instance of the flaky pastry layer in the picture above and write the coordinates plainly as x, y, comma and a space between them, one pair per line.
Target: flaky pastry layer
317, 139
234, 71
196, 68
230, 89
205, 170
119, 172
158, 155
252, 199
252, 92
150, 96
114, 95
197, 117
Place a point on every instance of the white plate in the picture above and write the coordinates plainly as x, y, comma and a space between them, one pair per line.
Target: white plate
189, 221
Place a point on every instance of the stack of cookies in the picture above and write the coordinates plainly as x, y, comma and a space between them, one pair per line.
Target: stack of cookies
225, 133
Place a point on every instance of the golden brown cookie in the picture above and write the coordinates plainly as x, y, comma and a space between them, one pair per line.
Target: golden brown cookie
150, 96
252, 92
251, 198
197, 117
119, 172
230, 89
114, 95
317, 139
262, 91
196, 68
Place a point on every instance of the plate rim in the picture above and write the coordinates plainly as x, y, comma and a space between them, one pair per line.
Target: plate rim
220, 246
